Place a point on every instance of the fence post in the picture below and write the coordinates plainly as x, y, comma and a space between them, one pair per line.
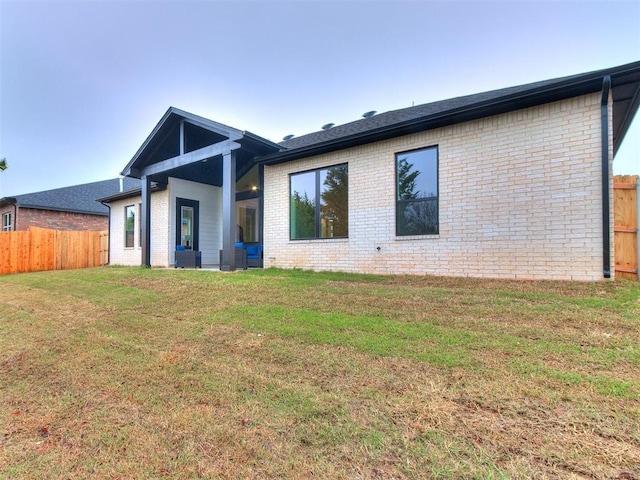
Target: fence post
626, 223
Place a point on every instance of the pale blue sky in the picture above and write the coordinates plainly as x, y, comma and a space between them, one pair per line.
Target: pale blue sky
82, 83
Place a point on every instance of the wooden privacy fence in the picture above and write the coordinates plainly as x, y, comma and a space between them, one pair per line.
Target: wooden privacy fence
626, 204
41, 249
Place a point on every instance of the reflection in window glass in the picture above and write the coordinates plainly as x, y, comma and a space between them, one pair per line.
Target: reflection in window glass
249, 182
140, 225
6, 222
303, 205
129, 225
247, 212
334, 219
186, 230
417, 192
319, 203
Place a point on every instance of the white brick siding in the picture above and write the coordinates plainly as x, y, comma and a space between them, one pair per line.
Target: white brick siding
210, 208
118, 254
520, 197
163, 224
161, 235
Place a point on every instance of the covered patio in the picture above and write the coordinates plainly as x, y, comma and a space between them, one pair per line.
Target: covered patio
191, 148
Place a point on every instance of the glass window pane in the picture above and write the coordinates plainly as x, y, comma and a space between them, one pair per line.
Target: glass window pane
417, 192
417, 174
6, 222
303, 210
319, 203
130, 223
417, 217
249, 182
247, 212
334, 212
140, 225
186, 229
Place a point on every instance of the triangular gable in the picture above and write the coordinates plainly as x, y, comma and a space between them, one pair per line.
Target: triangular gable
181, 134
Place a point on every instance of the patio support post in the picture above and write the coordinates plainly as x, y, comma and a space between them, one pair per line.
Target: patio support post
261, 216
145, 221
228, 261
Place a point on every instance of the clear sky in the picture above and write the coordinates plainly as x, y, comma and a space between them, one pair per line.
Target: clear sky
83, 83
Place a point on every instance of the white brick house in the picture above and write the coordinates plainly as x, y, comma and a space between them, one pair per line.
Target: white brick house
163, 222
513, 183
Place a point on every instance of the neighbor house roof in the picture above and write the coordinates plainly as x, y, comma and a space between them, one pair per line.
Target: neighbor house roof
626, 97
133, 192
75, 199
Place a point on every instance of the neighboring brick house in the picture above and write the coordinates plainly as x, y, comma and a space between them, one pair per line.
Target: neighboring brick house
67, 208
512, 183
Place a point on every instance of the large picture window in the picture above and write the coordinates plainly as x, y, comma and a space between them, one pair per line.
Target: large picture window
319, 203
129, 225
417, 192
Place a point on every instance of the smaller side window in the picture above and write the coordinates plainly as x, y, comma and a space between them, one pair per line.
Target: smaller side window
129, 226
140, 225
6, 222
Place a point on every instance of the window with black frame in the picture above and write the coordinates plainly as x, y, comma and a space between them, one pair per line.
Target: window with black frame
129, 225
320, 203
417, 192
187, 223
140, 225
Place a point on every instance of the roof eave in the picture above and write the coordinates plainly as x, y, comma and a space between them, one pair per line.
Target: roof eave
264, 141
127, 169
438, 120
563, 89
130, 193
65, 210
626, 123
5, 201
234, 134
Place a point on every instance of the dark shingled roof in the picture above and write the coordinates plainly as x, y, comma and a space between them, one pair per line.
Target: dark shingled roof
402, 115
76, 199
386, 125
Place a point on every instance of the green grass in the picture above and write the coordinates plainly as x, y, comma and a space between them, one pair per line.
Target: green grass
372, 335
144, 373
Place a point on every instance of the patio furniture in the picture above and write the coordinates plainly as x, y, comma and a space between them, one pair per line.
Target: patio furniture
241, 257
187, 258
254, 255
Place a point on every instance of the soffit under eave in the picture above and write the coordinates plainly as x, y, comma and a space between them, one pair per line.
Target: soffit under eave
8, 201
168, 126
626, 101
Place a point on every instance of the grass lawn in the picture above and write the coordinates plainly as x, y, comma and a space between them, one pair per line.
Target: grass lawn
129, 373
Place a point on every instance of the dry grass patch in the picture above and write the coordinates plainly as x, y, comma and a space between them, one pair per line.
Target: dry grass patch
135, 373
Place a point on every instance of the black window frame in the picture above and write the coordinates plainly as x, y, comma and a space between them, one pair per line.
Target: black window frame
195, 205
424, 203
318, 204
129, 233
